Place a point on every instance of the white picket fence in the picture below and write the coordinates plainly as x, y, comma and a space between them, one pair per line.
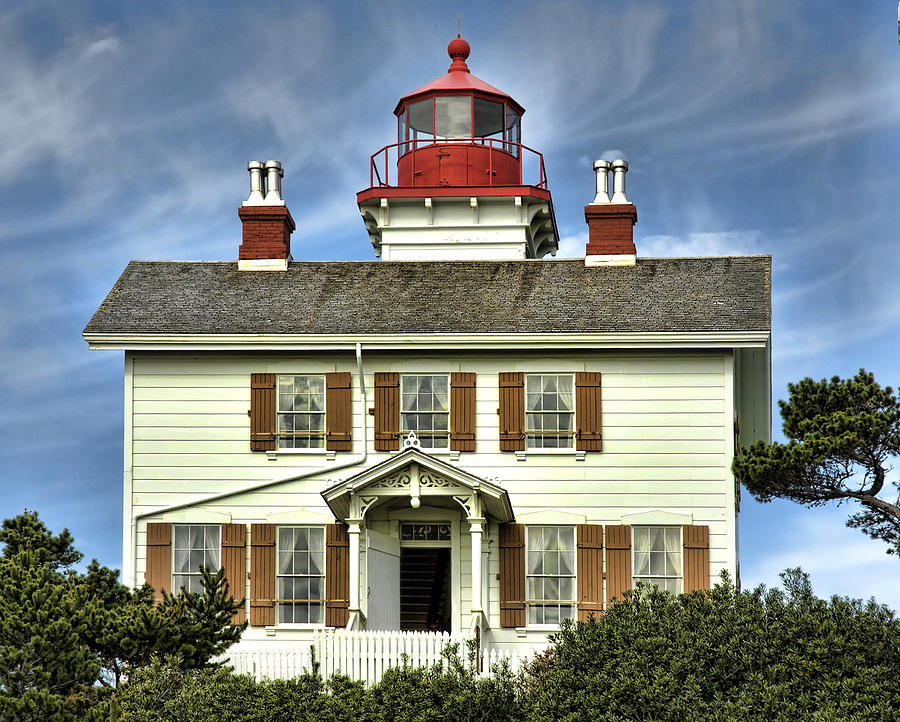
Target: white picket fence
362, 655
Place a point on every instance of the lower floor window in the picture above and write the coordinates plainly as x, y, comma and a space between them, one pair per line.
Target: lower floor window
550, 573
196, 546
300, 582
657, 556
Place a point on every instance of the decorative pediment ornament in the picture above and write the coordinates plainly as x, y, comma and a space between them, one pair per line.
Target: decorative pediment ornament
412, 441
434, 480
397, 481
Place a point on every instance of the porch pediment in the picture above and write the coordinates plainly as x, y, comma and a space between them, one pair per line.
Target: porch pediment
422, 479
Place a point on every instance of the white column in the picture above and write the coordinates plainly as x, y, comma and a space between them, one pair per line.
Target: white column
353, 529
475, 528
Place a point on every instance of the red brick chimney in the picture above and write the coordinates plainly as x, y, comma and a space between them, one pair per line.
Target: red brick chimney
610, 221
267, 223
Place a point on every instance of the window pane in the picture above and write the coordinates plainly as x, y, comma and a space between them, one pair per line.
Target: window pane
453, 117
488, 118
420, 117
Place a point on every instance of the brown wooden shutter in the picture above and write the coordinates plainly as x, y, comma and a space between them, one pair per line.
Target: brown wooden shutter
590, 570
387, 411
618, 561
587, 411
462, 412
512, 575
337, 575
234, 562
695, 540
338, 412
512, 411
262, 575
159, 557
262, 412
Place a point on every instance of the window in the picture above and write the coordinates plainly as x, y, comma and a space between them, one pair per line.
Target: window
550, 574
425, 409
301, 412
657, 556
300, 582
196, 545
549, 411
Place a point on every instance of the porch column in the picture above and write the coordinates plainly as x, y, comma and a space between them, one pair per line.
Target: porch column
475, 528
353, 530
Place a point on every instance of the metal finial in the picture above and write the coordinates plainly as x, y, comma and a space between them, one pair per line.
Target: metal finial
458, 25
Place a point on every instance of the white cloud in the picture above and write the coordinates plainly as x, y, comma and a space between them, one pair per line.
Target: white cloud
109, 44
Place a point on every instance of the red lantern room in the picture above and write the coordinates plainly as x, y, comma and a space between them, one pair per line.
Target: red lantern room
459, 131
459, 137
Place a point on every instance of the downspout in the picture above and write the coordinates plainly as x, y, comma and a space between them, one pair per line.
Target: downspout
266, 484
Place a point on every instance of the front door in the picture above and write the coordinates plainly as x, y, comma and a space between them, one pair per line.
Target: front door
425, 597
383, 580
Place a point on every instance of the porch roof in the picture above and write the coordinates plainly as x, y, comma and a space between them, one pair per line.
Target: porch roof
435, 478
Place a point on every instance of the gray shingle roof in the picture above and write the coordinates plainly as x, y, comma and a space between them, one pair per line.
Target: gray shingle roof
657, 294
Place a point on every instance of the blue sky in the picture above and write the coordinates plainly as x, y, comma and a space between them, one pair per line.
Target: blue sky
750, 127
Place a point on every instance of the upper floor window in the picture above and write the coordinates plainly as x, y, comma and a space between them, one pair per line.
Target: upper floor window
657, 556
549, 411
425, 409
301, 412
196, 545
300, 582
550, 573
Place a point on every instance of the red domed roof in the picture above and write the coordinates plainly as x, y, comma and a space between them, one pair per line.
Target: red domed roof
458, 80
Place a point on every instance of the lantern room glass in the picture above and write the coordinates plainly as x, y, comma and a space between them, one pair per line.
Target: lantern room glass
459, 117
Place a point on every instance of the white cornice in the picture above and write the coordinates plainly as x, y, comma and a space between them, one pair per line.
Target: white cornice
437, 341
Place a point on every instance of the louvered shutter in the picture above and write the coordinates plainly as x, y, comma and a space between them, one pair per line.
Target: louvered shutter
338, 412
159, 557
695, 540
387, 411
262, 412
337, 575
512, 411
590, 570
587, 411
512, 575
462, 412
618, 561
262, 575
234, 562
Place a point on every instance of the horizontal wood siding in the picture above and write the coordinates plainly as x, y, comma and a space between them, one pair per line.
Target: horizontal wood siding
589, 566
337, 575
262, 574
338, 412
666, 440
695, 539
462, 411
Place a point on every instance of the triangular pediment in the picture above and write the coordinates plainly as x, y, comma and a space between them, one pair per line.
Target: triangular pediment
418, 475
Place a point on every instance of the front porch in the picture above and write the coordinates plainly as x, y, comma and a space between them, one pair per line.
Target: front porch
366, 655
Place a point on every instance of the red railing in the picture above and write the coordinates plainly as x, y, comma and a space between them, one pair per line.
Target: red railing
521, 155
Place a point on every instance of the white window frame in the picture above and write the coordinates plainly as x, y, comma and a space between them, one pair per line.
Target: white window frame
545, 603
426, 438
672, 582
193, 574
281, 602
312, 436
535, 439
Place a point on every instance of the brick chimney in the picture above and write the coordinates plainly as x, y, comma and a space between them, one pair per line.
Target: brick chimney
267, 223
610, 221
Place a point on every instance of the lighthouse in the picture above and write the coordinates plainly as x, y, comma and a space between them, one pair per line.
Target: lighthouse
458, 184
